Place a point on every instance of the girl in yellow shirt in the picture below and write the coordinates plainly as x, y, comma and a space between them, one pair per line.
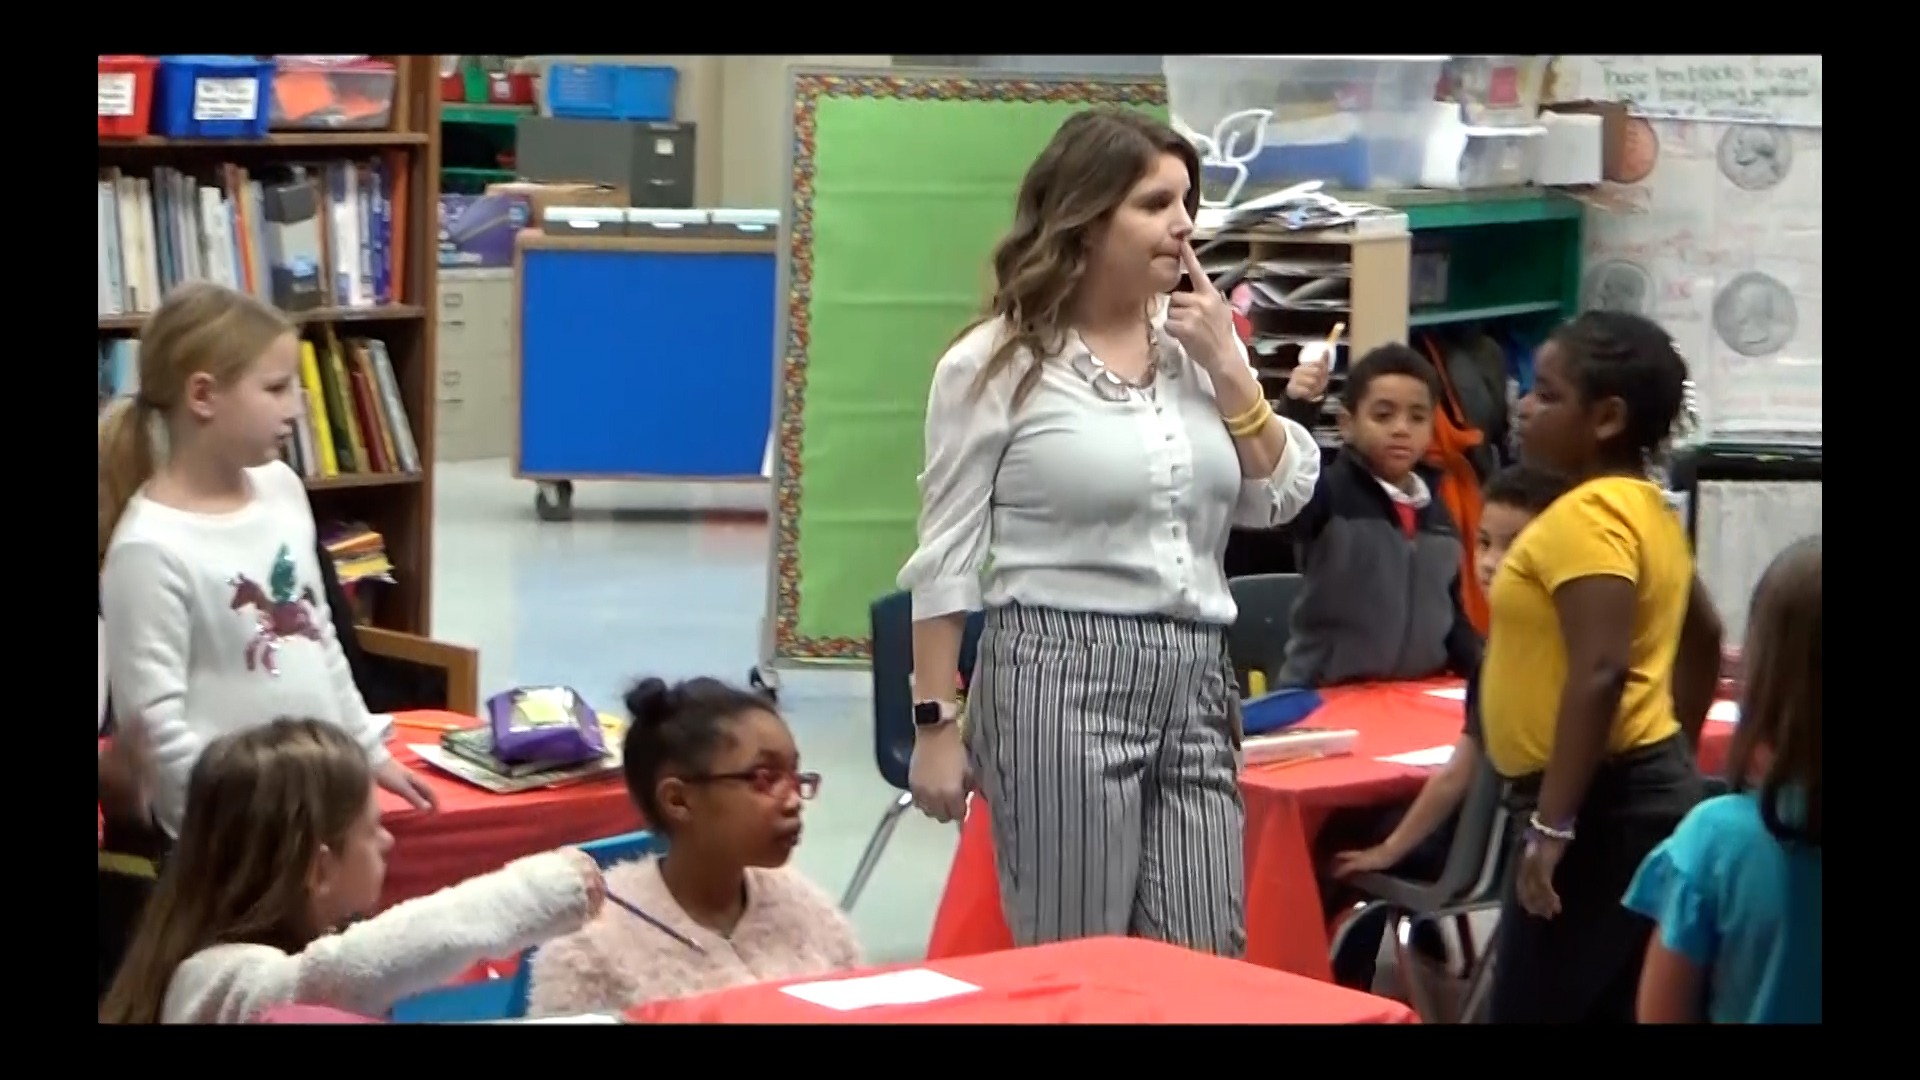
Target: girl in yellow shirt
1601, 663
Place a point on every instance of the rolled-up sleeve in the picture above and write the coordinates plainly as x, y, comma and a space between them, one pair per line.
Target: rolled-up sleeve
966, 436
1269, 502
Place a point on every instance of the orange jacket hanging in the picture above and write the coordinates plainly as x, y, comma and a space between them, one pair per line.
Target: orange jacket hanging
1459, 488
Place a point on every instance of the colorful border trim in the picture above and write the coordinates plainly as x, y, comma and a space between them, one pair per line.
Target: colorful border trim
809, 90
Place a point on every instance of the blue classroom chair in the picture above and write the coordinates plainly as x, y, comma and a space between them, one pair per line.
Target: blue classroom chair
892, 646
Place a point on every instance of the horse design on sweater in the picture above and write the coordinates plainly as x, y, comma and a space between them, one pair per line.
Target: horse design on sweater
282, 609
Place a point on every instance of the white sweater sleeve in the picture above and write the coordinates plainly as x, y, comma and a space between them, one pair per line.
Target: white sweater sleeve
145, 598
408, 949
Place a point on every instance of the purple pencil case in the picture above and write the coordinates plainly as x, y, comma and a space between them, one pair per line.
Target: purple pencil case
547, 725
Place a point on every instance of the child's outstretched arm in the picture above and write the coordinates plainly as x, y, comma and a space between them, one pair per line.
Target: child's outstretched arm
405, 950
1439, 799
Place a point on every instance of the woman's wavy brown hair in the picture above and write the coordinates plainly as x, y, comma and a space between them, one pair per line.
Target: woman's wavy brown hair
260, 805
1776, 748
1073, 187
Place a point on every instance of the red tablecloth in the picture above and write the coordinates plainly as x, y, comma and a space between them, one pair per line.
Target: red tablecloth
1091, 981
1286, 806
476, 831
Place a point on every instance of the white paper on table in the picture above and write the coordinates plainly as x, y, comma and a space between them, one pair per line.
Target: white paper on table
1431, 758
1724, 712
1451, 693
909, 987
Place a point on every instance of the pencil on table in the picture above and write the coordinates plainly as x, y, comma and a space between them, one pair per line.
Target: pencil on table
424, 725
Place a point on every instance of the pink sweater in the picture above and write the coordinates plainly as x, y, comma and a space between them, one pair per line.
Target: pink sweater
790, 929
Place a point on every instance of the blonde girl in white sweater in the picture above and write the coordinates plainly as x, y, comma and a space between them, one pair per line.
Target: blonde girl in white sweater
282, 844
215, 614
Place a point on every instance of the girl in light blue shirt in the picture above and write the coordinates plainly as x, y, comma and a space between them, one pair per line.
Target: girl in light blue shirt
1736, 891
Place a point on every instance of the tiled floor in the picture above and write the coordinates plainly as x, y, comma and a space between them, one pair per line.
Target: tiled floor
624, 591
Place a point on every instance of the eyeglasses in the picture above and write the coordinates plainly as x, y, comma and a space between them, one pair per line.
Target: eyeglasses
767, 780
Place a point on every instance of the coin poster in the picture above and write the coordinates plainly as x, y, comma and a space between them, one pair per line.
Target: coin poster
1715, 227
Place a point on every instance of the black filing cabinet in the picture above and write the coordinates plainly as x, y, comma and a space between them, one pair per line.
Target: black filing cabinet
653, 161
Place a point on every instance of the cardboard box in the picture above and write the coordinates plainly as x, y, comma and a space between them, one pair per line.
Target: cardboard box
477, 231
1620, 162
541, 196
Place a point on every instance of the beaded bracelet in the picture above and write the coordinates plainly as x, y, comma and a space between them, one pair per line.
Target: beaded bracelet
1538, 826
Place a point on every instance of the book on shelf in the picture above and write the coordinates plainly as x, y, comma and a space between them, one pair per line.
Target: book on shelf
355, 421
329, 234
359, 555
119, 370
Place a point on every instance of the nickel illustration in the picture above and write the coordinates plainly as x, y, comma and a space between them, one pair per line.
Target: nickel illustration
1754, 315
1755, 157
1620, 286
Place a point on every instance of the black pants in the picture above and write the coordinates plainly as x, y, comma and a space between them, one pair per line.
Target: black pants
1351, 830
123, 897
1583, 965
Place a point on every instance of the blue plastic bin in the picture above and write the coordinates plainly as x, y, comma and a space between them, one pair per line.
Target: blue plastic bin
611, 91
212, 97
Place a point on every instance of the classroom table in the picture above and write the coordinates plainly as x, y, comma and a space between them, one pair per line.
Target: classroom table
476, 831
1286, 805
1111, 980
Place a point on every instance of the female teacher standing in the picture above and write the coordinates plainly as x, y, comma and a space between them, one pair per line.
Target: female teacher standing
1089, 442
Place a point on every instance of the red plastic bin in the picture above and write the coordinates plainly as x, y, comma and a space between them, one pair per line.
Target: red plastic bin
126, 96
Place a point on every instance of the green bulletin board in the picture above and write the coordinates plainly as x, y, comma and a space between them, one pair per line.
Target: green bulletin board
902, 184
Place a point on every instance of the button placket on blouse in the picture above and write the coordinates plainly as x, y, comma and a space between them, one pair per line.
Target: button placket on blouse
1174, 459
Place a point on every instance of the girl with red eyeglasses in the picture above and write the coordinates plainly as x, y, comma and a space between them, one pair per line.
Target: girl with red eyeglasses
715, 772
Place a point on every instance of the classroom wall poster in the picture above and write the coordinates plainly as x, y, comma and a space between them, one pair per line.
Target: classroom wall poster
1717, 232
902, 184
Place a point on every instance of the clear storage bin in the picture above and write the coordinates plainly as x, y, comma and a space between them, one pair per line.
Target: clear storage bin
332, 94
1264, 122
1496, 91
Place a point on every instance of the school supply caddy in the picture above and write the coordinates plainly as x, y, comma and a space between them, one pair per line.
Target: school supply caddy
547, 725
553, 738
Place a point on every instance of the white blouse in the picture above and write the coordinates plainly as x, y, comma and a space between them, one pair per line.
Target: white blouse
1081, 503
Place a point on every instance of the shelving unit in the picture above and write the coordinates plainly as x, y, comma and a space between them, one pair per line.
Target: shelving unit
1512, 260
1368, 273
398, 505
473, 139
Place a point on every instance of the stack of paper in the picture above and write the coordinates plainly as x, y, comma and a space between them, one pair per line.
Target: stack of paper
910, 987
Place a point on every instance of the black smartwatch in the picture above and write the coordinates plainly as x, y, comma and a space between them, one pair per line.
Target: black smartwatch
931, 714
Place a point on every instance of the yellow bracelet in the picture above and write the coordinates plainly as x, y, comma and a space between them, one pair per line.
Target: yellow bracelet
1253, 413
1254, 426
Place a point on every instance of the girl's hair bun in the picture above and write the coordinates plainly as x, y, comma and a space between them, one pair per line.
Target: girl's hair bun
650, 703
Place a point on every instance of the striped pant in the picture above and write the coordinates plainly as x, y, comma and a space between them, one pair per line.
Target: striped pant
1102, 745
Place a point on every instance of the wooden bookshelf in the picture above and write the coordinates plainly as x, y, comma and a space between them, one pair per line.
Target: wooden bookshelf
398, 505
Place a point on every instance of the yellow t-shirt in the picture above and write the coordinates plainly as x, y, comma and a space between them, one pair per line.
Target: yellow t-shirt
1612, 526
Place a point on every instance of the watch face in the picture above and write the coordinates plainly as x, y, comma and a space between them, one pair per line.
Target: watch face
926, 713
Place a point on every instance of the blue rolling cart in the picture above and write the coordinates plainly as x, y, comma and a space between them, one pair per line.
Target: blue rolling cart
643, 358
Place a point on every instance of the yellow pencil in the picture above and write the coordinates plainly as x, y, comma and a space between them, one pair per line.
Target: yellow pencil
424, 725
1333, 335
